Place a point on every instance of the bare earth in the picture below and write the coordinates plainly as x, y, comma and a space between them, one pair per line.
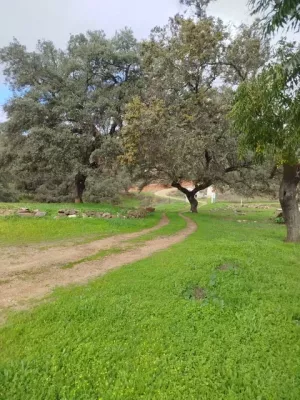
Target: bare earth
32, 276
21, 259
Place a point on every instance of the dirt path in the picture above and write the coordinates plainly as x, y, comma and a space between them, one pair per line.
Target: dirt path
167, 194
23, 287
29, 259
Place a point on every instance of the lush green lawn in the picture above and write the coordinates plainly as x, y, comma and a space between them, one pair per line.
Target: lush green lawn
23, 230
138, 332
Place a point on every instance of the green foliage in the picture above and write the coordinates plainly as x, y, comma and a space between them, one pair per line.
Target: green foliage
133, 334
277, 13
178, 128
266, 113
107, 188
7, 194
247, 53
65, 104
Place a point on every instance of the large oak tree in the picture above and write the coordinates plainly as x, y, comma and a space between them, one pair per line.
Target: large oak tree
178, 128
65, 103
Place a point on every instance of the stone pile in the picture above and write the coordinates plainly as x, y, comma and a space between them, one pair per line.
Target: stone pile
26, 212
140, 213
98, 214
68, 213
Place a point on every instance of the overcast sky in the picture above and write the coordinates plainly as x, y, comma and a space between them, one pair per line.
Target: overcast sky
30, 20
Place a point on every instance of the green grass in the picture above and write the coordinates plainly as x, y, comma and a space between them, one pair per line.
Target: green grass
97, 256
16, 230
176, 223
138, 333
177, 206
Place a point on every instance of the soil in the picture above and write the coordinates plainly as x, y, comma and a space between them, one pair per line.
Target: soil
34, 274
226, 267
199, 293
16, 260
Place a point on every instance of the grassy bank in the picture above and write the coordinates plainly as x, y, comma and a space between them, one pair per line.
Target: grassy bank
16, 230
215, 317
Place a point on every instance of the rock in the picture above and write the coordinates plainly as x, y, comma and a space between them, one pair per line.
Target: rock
67, 212
141, 213
71, 212
72, 216
150, 209
24, 210
106, 215
40, 214
25, 214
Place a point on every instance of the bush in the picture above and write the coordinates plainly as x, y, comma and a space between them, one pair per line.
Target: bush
105, 188
53, 193
8, 195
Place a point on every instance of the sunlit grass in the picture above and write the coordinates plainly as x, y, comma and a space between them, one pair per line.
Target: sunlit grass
139, 333
16, 230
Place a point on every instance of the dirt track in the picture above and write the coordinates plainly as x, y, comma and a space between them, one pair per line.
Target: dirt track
22, 259
33, 283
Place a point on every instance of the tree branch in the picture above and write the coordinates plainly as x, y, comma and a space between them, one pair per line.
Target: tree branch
192, 193
237, 167
178, 186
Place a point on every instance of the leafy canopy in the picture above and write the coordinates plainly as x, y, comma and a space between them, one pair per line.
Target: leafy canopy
277, 13
266, 113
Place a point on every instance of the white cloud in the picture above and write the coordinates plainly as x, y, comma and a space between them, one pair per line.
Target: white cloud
31, 20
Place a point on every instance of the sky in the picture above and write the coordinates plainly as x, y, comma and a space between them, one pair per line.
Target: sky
31, 20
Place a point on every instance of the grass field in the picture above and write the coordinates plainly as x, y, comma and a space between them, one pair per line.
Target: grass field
176, 223
22, 230
215, 317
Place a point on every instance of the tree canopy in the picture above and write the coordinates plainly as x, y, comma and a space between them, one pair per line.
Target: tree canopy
178, 128
65, 105
116, 110
266, 115
277, 13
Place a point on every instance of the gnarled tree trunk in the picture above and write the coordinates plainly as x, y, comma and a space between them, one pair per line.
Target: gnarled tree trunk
193, 202
191, 194
79, 187
289, 202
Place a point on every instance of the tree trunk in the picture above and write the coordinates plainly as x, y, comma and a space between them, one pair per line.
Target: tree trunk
191, 194
193, 202
79, 187
289, 202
